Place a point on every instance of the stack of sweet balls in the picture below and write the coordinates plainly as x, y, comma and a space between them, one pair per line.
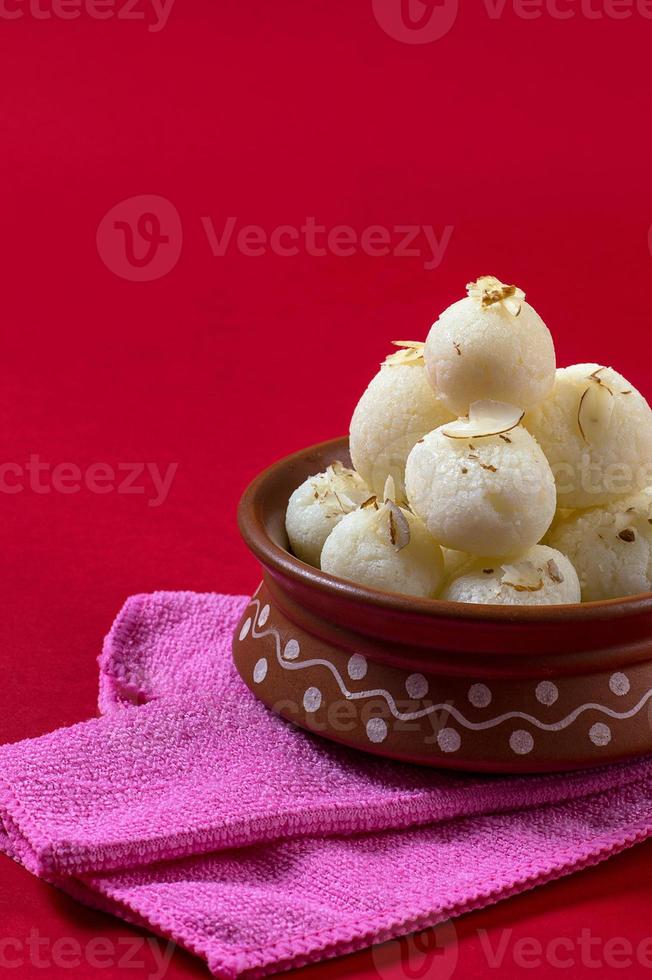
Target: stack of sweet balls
484, 474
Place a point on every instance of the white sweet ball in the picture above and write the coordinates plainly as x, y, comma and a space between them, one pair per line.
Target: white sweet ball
474, 353
363, 549
318, 505
539, 577
398, 407
489, 496
611, 547
596, 430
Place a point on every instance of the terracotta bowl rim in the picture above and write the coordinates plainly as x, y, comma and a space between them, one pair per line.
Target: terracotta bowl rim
252, 529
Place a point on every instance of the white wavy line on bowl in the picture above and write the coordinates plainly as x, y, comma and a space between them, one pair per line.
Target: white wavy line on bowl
450, 709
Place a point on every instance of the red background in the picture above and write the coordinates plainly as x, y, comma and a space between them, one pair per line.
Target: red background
529, 137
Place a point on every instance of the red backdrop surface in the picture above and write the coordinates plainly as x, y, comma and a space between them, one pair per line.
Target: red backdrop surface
519, 142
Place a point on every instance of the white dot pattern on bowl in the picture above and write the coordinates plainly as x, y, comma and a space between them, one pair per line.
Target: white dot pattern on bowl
292, 650
416, 686
521, 742
376, 730
547, 693
600, 734
260, 671
480, 696
448, 740
312, 700
619, 684
357, 667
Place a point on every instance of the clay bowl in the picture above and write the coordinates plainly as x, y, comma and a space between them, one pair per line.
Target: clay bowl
485, 688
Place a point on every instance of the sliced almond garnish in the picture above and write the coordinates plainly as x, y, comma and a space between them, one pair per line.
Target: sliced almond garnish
486, 418
595, 410
411, 352
389, 493
339, 488
399, 529
487, 291
554, 571
596, 377
523, 576
370, 502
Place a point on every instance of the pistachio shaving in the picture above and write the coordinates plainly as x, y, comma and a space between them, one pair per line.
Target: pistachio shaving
488, 291
411, 352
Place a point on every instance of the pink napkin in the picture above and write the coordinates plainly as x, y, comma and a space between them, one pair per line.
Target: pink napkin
189, 808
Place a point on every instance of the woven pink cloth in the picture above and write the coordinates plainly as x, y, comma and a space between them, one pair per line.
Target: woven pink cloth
189, 808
